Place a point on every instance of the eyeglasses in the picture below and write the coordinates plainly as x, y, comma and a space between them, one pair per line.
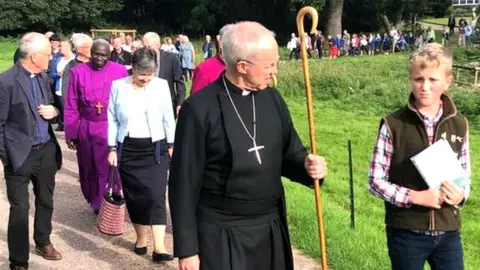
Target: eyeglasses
45, 54
266, 67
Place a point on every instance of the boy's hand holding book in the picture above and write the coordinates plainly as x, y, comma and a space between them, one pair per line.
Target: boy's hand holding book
431, 198
451, 193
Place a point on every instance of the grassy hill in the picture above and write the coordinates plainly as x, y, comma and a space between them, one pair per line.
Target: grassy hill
444, 21
350, 96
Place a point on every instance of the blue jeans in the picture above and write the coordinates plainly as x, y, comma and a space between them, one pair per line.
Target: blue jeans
409, 250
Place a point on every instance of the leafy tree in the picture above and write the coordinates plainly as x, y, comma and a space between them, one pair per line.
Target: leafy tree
40, 15
362, 16
439, 8
319, 5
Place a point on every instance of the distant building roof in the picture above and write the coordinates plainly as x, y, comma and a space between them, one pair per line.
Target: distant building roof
465, 2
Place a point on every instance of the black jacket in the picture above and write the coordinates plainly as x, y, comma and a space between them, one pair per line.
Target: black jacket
17, 121
171, 70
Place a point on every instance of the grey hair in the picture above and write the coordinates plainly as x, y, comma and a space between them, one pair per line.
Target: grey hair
101, 41
224, 29
152, 36
144, 60
80, 39
242, 40
32, 42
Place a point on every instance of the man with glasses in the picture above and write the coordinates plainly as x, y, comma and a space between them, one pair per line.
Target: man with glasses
82, 44
29, 150
234, 141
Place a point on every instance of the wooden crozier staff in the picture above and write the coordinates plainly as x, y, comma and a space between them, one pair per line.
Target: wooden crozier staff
311, 125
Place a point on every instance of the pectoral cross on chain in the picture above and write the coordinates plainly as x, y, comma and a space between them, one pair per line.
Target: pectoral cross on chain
99, 107
256, 148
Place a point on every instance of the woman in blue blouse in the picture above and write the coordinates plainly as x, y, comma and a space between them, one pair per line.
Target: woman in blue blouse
141, 130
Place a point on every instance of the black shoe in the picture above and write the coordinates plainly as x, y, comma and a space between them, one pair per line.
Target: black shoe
161, 257
139, 250
16, 267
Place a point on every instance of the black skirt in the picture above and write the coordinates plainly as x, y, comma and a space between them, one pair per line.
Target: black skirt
144, 180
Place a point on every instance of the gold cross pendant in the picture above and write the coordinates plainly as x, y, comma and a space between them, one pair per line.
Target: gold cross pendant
99, 107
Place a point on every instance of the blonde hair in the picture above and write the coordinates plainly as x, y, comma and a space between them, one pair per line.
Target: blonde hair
432, 54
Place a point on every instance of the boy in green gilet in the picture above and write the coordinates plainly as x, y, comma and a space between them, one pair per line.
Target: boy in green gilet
422, 224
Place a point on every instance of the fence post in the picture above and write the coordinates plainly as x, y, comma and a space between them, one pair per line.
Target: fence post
476, 76
352, 197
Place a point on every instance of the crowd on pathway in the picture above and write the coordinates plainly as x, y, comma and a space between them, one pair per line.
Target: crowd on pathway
222, 152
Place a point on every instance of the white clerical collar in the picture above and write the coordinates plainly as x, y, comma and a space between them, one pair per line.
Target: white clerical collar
245, 93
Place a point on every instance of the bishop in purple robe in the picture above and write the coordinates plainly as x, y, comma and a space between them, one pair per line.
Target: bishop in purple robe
86, 120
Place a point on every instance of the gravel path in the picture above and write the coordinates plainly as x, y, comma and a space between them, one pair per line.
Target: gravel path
76, 237
432, 25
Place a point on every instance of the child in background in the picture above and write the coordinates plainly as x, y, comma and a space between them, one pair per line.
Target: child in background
339, 43
445, 36
333, 47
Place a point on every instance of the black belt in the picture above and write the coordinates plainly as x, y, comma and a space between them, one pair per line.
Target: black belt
237, 206
224, 211
39, 147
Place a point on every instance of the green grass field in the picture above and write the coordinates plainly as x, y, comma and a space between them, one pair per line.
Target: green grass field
350, 96
7, 48
444, 21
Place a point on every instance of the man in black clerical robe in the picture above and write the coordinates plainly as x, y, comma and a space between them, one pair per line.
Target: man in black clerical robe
227, 201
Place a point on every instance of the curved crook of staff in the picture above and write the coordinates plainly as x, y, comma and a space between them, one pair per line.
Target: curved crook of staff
311, 124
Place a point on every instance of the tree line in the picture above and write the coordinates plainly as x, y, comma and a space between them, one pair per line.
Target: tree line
199, 17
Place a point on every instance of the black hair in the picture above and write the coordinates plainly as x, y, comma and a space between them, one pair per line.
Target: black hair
55, 37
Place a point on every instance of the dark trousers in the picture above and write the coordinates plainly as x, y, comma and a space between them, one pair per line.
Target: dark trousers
40, 168
59, 105
409, 250
295, 52
320, 51
187, 73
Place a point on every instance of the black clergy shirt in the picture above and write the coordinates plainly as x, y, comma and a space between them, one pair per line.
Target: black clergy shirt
36, 98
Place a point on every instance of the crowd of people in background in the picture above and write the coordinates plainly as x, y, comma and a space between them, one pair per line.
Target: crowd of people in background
394, 41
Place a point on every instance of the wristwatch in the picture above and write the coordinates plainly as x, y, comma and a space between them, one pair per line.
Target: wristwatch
112, 148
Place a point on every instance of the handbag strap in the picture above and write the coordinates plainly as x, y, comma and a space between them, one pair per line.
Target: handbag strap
113, 183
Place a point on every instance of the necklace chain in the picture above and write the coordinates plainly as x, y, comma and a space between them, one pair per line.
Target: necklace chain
238, 114
103, 86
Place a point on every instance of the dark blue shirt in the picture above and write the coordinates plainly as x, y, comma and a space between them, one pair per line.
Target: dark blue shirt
36, 98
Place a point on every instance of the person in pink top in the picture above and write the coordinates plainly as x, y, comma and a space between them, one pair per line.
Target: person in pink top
209, 70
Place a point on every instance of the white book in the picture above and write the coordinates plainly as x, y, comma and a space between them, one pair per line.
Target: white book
438, 163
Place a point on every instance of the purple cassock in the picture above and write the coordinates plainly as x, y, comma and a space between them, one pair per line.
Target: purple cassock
86, 123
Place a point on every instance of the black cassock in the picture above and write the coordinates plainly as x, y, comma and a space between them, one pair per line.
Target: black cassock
225, 206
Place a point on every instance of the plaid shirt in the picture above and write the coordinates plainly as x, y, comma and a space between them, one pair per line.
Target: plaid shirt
382, 156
